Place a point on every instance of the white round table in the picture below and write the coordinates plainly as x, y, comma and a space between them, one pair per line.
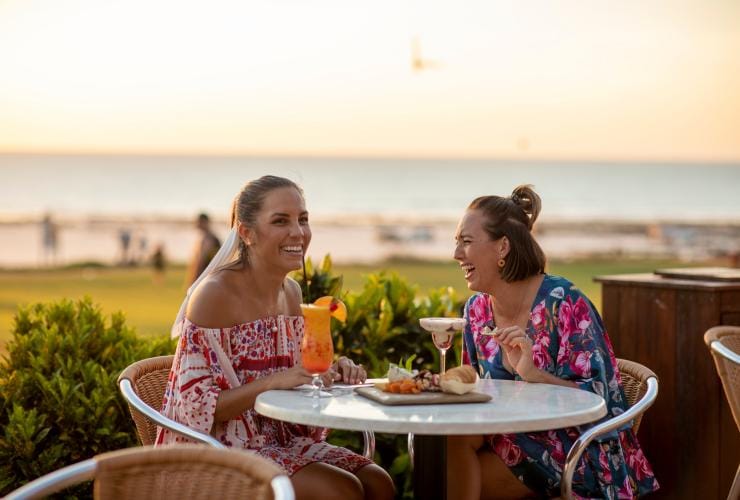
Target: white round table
514, 407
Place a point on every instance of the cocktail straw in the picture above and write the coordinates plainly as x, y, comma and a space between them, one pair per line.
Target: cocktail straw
305, 280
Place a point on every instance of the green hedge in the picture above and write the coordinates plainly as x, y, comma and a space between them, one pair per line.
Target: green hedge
59, 402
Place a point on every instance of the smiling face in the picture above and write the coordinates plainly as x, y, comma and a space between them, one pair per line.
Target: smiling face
281, 234
477, 253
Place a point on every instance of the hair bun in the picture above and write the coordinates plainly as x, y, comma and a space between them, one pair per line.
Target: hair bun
529, 201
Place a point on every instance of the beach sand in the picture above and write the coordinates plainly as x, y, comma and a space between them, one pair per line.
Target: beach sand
364, 241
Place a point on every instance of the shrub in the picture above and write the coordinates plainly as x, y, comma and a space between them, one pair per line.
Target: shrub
59, 402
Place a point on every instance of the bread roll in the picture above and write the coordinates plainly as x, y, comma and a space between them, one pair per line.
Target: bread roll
459, 380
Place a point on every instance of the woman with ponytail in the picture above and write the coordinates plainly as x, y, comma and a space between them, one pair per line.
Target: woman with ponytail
527, 325
240, 328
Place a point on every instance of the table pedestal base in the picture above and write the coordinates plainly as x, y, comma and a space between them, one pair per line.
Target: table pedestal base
430, 469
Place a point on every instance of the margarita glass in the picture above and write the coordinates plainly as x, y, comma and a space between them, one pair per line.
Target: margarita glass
443, 333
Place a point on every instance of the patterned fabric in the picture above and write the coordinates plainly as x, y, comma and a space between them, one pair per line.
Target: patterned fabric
570, 342
256, 349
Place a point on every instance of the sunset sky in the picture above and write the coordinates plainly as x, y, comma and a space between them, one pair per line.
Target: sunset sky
599, 80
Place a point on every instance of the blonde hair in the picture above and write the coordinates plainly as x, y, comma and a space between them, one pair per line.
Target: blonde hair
514, 217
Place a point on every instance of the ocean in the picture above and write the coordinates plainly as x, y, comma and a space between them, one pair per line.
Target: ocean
362, 210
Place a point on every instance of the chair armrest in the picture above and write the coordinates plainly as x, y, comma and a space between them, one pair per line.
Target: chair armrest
137, 403
282, 488
56, 481
724, 351
580, 445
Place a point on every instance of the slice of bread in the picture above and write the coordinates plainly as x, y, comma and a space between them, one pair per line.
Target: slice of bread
459, 380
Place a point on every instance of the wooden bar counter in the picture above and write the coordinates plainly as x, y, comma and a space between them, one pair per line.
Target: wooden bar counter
659, 320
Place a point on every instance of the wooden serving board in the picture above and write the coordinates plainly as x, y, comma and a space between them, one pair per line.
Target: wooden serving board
424, 398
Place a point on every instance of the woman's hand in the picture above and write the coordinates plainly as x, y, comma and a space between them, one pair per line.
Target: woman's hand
517, 350
346, 371
290, 378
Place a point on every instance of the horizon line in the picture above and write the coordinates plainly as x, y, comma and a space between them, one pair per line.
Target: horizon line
364, 156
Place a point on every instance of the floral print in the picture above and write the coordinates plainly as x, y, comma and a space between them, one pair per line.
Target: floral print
569, 341
256, 349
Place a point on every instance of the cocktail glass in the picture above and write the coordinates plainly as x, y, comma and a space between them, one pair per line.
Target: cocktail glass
317, 350
443, 333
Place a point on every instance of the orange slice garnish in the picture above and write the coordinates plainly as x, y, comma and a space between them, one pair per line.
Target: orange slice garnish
336, 307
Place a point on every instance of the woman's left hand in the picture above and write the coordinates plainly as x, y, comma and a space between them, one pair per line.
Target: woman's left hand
345, 370
517, 349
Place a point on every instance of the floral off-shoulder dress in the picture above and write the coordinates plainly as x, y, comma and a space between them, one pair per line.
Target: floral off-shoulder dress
570, 342
256, 349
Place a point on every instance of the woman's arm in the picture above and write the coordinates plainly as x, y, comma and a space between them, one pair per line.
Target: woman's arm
542, 377
517, 348
233, 402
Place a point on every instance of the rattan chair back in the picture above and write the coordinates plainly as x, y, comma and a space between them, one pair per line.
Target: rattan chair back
148, 378
724, 345
193, 472
641, 390
634, 382
728, 370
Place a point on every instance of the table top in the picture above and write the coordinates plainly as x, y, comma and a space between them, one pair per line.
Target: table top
515, 407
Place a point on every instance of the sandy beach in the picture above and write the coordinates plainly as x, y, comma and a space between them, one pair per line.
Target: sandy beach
360, 240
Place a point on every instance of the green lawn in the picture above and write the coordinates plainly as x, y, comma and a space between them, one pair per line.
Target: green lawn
150, 308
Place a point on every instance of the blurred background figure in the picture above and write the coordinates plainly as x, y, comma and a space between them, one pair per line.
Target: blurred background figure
49, 241
159, 263
124, 237
143, 248
205, 248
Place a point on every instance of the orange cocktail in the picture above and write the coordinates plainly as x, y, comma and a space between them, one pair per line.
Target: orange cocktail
317, 350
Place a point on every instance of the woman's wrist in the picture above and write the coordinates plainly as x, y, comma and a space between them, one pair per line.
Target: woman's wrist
534, 375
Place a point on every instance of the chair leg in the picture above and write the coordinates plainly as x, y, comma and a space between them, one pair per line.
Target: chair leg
410, 444
735, 488
369, 449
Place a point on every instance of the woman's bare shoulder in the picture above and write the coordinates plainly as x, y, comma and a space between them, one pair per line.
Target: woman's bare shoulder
215, 302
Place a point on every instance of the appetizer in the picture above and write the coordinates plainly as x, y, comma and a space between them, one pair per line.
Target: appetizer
459, 380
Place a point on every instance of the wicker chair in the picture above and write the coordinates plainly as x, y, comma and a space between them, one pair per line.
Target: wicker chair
641, 389
186, 471
142, 385
724, 345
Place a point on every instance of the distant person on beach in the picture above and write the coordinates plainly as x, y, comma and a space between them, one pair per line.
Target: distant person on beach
524, 324
143, 248
159, 263
205, 248
240, 329
49, 241
124, 238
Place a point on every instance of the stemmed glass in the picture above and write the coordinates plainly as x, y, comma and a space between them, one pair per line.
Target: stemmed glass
317, 349
443, 333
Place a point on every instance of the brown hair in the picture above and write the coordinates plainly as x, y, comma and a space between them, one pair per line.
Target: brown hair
248, 204
514, 218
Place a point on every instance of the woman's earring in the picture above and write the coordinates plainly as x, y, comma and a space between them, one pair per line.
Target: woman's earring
501, 263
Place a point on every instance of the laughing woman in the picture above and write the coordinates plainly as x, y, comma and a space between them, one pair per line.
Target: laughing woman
240, 333
546, 331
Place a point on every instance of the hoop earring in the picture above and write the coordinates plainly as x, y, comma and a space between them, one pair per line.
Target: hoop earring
501, 263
